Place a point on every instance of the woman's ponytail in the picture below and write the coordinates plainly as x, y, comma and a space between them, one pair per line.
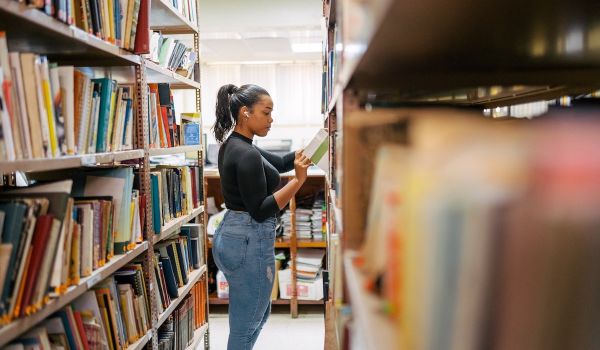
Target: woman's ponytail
230, 99
225, 121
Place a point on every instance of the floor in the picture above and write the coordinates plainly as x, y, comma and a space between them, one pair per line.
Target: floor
303, 333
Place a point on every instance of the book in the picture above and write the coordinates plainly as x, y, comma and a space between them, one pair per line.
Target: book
317, 150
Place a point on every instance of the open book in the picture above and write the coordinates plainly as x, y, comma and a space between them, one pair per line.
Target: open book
317, 150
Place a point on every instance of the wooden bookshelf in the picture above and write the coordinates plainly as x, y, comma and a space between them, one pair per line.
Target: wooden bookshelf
22, 325
173, 150
377, 330
43, 34
44, 164
172, 226
167, 18
141, 343
193, 277
159, 74
198, 337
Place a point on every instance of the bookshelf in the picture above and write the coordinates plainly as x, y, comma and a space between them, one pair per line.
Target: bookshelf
17, 327
173, 150
66, 162
46, 35
315, 182
31, 30
141, 343
460, 65
183, 292
165, 17
158, 74
198, 337
170, 227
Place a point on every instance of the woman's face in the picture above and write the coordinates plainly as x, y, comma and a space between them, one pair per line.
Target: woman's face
259, 118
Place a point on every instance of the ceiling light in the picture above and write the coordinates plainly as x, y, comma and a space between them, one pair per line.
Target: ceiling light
307, 47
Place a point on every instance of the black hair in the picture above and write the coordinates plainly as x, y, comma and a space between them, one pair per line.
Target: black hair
230, 99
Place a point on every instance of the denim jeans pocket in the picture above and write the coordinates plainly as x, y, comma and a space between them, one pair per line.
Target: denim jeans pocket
232, 251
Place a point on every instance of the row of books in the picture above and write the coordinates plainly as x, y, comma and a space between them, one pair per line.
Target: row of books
53, 234
176, 191
49, 111
485, 231
174, 259
165, 128
111, 316
188, 8
124, 23
172, 54
178, 331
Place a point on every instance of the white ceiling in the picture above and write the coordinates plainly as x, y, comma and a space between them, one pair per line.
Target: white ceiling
259, 30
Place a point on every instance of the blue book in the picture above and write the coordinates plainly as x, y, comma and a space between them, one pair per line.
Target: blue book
106, 90
169, 277
191, 134
11, 233
186, 232
68, 331
156, 217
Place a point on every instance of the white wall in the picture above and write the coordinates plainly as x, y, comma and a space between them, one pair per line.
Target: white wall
294, 87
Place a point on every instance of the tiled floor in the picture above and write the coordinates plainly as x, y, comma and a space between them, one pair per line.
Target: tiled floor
280, 332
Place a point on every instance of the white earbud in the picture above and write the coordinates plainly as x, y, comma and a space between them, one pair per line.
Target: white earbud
246, 113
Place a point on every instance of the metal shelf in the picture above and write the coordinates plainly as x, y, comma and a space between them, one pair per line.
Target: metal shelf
43, 164
170, 227
167, 18
182, 292
198, 336
31, 30
173, 150
21, 325
377, 329
159, 74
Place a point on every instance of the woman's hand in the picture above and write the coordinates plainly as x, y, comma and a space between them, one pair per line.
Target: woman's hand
301, 164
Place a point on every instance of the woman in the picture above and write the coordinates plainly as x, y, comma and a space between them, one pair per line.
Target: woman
245, 240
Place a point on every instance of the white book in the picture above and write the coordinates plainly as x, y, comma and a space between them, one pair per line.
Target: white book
115, 141
66, 78
317, 150
30, 87
86, 114
15, 65
87, 239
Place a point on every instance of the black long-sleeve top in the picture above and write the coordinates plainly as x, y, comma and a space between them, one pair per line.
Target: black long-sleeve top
250, 175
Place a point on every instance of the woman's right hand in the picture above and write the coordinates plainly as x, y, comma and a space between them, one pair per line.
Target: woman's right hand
301, 164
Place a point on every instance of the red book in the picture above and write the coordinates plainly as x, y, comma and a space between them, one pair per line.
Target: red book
143, 213
142, 33
81, 329
38, 241
163, 112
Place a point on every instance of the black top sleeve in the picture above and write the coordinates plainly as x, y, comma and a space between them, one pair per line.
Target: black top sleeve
282, 164
253, 187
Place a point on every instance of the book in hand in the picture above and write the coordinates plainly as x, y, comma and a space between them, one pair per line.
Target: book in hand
318, 148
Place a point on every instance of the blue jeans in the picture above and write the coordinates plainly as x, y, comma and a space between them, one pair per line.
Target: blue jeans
243, 249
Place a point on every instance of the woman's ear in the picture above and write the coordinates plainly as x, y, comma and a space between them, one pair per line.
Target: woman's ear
245, 111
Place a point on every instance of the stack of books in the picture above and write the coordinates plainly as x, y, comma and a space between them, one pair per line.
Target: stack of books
48, 111
53, 234
113, 315
309, 222
172, 54
309, 284
176, 191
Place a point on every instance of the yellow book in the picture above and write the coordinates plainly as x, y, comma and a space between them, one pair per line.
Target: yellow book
111, 21
75, 266
49, 106
111, 118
